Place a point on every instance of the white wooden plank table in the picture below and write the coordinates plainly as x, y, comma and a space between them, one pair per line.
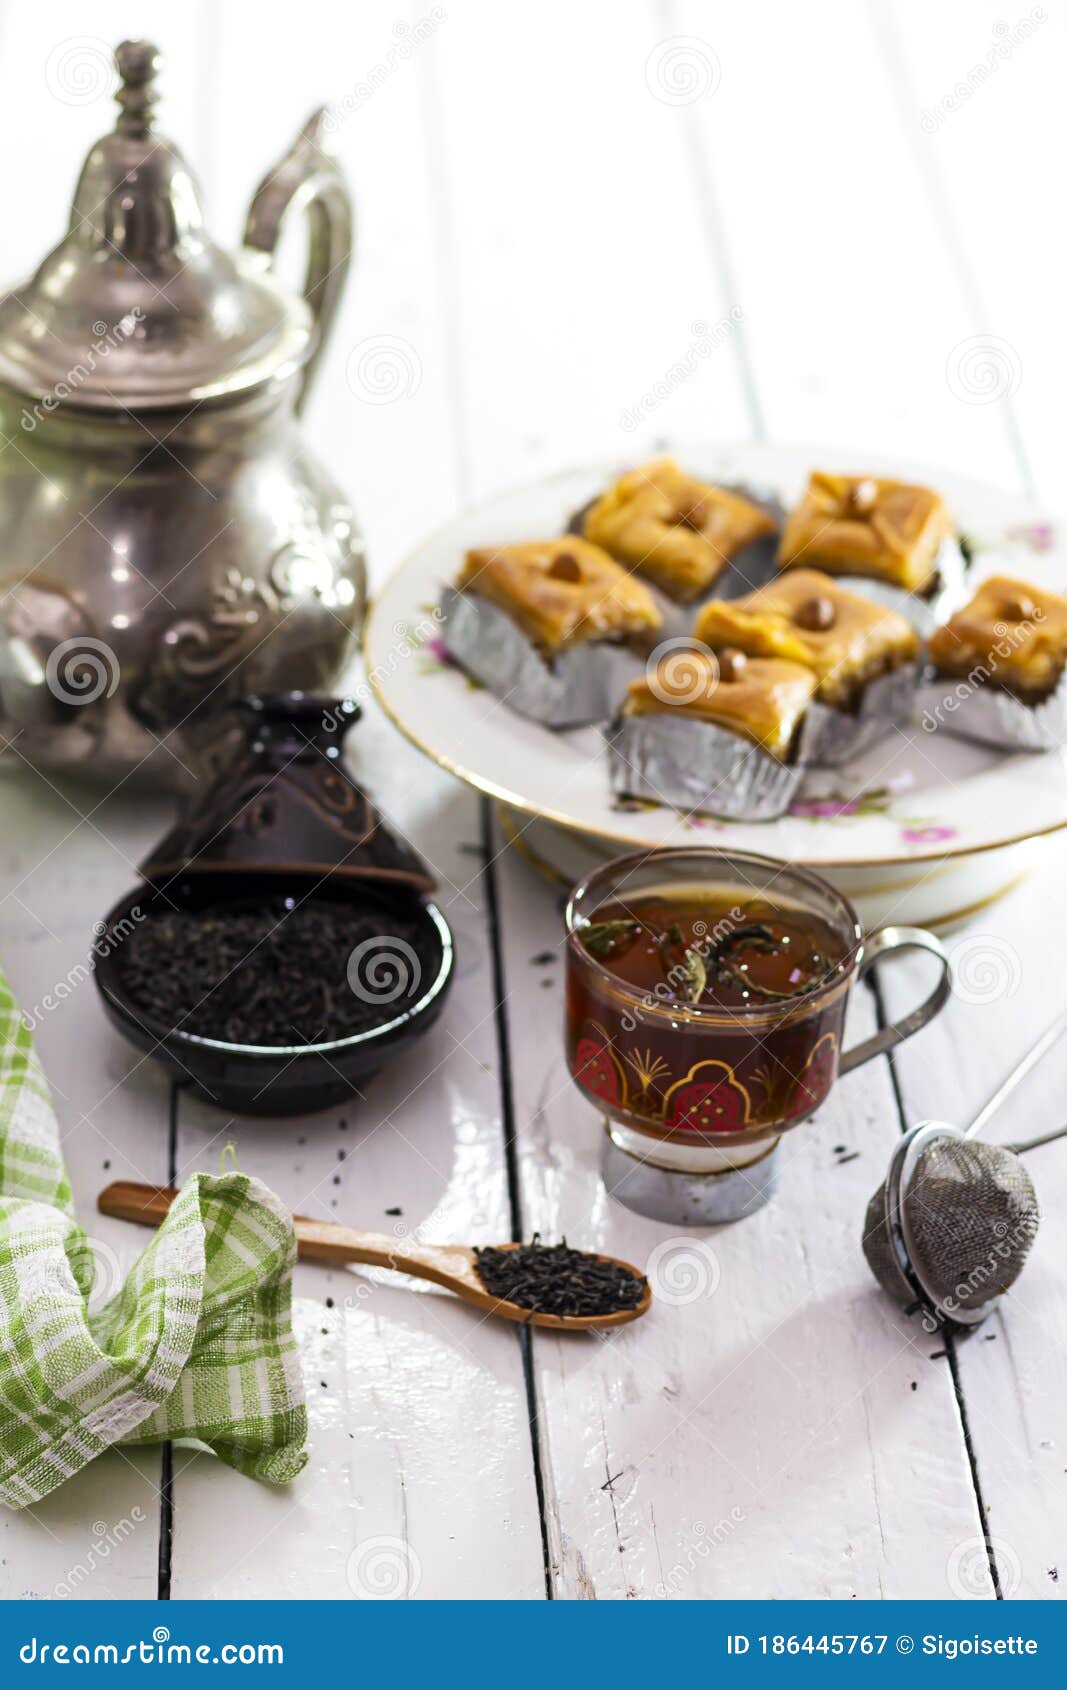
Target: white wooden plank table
584, 230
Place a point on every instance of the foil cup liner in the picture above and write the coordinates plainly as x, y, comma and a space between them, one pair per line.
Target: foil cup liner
832, 736
578, 687
926, 611
692, 765
971, 710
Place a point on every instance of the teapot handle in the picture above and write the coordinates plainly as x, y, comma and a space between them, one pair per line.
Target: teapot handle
308, 178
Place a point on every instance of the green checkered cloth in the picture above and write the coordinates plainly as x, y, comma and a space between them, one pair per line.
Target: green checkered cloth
198, 1344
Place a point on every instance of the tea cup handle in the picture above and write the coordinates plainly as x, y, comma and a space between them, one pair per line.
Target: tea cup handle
882, 944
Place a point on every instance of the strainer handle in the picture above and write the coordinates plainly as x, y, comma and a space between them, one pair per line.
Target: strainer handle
877, 946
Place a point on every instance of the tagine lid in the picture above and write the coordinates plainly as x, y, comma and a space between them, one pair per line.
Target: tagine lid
137, 307
285, 803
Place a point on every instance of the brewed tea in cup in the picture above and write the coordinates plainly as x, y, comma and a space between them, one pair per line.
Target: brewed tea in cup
706, 1000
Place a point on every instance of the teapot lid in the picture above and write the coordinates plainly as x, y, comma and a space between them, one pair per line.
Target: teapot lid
137, 308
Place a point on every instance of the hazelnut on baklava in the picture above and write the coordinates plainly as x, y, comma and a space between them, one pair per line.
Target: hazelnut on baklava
885, 530
715, 732
999, 668
554, 627
679, 532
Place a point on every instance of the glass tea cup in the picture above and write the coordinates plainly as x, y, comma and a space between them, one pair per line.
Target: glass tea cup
697, 1096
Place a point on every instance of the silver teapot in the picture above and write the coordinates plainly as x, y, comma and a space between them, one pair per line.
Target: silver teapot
168, 540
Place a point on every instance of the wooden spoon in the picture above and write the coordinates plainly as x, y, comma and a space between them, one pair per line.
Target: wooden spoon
450, 1265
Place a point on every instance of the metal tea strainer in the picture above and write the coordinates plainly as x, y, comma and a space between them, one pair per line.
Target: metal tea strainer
949, 1230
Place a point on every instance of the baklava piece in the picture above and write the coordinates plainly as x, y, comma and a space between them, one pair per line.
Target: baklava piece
998, 669
718, 733
870, 526
554, 628
762, 699
1011, 636
679, 532
561, 593
809, 618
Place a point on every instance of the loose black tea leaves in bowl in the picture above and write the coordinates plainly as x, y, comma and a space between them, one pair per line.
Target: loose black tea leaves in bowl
554, 1279
284, 971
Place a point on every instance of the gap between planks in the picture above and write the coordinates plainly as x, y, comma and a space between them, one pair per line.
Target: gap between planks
883, 1018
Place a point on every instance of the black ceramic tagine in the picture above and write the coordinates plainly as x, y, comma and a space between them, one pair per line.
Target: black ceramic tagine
230, 963
286, 804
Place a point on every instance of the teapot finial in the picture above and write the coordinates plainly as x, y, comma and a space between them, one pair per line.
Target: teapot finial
137, 63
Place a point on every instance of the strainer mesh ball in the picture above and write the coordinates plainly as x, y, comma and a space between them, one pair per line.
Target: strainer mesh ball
971, 1215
